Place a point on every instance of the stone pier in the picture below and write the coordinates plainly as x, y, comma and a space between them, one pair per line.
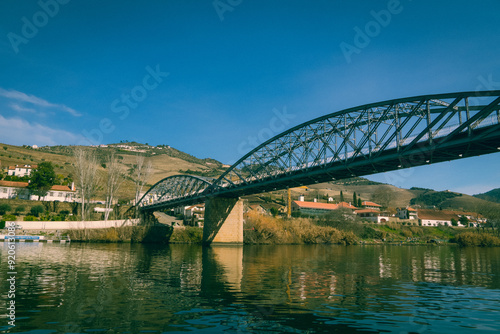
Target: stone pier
223, 223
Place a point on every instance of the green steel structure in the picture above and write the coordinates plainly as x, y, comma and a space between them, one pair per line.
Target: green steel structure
368, 139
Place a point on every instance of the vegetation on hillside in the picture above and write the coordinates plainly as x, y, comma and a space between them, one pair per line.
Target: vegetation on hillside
492, 195
433, 198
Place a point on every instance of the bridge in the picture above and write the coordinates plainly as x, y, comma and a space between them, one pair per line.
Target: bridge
364, 140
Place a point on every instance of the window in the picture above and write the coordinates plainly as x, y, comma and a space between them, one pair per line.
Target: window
51, 194
4, 190
60, 195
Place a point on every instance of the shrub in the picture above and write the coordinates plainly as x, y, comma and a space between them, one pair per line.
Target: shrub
20, 209
37, 210
477, 239
9, 218
4, 208
30, 218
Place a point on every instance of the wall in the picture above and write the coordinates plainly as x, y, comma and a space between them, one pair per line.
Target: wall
75, 225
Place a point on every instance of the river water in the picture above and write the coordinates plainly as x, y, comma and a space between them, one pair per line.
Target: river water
124, 288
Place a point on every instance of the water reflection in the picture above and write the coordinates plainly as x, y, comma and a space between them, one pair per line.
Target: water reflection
133, 288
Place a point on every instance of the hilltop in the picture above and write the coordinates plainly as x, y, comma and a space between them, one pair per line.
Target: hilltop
166, 161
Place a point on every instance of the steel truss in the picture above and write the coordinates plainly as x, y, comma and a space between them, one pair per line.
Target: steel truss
184, 189
365, 140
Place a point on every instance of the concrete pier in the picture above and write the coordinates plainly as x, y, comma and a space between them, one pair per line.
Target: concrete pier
223, 222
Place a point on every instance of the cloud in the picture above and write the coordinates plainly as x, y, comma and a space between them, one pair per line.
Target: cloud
31, 99
17, 131
19, 108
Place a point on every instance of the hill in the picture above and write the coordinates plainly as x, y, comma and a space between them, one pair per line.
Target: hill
166, 161
492, 195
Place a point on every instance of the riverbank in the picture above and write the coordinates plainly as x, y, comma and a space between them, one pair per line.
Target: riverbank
271, 230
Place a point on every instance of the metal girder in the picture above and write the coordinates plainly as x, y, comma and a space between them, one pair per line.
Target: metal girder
173, 189
358, 141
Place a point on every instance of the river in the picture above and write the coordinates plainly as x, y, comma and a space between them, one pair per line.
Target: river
133, 288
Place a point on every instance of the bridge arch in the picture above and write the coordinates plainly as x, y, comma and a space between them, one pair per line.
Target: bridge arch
369, 139
175, 190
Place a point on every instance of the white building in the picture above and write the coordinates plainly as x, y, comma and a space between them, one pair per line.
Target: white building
14, 189
373, 215
24, 170
407, 213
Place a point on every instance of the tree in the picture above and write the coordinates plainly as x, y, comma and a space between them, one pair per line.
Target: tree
114, 181
37, 210
4, 208
341, 196
87, 177
140, 173
454, 222
42, 179
360, 203
354, 199
464, 221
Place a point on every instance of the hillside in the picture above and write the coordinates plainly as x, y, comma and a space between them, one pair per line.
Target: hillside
166, 161
492, 195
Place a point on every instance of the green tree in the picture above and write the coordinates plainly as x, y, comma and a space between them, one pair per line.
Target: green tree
354, 198
464, 220
42, 179
273, 211
360, 203
4, 208
341, 196
20, 209
454, 222
37, 210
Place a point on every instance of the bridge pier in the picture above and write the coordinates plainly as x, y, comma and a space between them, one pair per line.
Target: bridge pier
223, 222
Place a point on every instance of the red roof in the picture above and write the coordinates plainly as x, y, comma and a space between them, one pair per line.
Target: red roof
13, 184
16, 184
366, 203
316, 205
346, 206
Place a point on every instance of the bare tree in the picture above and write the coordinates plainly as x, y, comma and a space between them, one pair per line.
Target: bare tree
87, 177
114, 182
140, 173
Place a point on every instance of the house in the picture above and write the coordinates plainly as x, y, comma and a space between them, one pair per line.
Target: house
316, 208
24, 170
370, 205
14, 189
373, 215
194, 215
407, 213
437, 217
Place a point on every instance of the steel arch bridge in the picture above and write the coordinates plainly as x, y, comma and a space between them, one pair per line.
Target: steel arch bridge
359, 141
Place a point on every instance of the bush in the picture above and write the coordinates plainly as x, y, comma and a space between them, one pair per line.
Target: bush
30, 218
9, 218
477, 239
20, 209
37, 210
4, 208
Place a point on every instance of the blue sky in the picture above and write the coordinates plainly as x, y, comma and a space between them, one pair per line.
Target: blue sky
215, 78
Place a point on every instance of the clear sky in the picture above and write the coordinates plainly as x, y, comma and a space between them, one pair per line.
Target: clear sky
216, 78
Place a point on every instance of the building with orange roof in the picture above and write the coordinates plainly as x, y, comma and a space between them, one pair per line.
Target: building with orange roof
407, 213
317, 208
373, 215
370, 205
15, 189
24, 170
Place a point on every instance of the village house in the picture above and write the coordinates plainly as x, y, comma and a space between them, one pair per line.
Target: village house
407, 213
437, 217
370, 205
373, 215
316, 208
14, 189
24, 170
